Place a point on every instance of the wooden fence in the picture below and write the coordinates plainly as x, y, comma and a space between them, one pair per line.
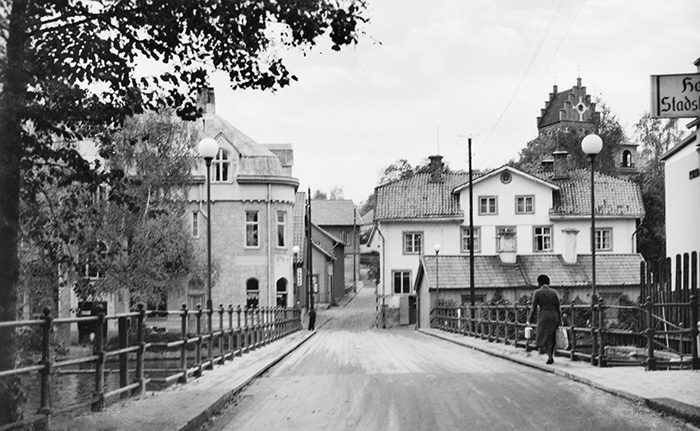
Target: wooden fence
661, 332
217, 336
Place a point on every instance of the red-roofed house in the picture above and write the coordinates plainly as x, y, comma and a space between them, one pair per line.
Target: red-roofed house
524, 225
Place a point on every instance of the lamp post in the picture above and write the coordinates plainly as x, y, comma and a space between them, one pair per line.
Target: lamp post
295, 252
591, 145
436, 247
208, 148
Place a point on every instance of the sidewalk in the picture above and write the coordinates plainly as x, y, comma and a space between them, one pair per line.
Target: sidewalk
186, 407
676, 393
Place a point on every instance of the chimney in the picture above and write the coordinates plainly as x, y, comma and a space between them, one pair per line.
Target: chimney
570, 246
435, 169
560, 165
205, 100
548, 165
578, 82
555, 88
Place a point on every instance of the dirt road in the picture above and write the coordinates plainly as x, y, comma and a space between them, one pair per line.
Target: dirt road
350, 377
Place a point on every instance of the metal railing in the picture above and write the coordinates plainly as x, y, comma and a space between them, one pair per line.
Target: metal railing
605, 335
229, 333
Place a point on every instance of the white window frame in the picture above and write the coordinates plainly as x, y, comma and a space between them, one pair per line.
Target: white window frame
405, 287
416, 247
525, 199
255, 226
221, 171
464, 236
281, 229
544, 236
600, 239
195, 224
485, 207
501, 233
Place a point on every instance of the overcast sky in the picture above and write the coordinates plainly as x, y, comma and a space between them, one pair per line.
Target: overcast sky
427, 74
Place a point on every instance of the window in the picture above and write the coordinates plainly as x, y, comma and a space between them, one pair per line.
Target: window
468, 240
252, 227
158, 307
281, 228
603, 239
524, 204
487, 205
506, 177
412, 242
252, 293
221, 167
543, 238
195, 224
96, 260
505, 239
402, 282
627, 159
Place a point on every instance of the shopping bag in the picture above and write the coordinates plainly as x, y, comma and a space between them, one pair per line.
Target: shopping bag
528, 332
562, 339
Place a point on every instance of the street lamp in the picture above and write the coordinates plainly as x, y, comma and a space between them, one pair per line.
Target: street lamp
436, 247
208, 148
295, 252
591, 145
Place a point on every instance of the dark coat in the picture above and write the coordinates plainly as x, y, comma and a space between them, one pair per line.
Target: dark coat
545, 304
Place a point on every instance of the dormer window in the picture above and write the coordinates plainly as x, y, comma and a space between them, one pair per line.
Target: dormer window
221, 167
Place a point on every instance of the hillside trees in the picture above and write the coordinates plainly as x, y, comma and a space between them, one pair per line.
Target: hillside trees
656, 136
69, 70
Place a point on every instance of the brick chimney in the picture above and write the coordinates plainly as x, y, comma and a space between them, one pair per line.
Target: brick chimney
435, 168
560, 165
206, 101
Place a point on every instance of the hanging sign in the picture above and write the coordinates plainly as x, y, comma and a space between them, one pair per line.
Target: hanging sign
675, 96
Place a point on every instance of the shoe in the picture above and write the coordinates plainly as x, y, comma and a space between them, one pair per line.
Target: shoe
550, 361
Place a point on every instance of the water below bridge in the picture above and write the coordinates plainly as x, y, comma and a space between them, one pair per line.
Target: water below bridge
352, 376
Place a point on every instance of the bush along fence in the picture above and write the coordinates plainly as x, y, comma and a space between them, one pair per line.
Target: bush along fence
659, 333
123, 367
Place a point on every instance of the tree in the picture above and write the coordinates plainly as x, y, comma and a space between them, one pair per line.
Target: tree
606, 126
656, 136
69, 70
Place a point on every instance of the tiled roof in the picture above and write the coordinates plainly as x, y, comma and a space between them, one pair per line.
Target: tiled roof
418, 197
490, 273
613, 196
332, 212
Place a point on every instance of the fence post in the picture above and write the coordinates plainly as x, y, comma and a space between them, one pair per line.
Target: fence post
99, 394
230, 331
210, 340
239, 332
45, 407
651, 362
601, 333
246, 334
198, 347
141, 352
123, 357
694, 331
221, 334
183, 348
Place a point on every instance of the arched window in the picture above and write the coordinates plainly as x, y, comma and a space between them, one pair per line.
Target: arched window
221, 167
252, 291
281, 292
627, 159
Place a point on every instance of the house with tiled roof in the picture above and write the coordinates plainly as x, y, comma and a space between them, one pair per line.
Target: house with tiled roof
326, 261
524, 224
339, 218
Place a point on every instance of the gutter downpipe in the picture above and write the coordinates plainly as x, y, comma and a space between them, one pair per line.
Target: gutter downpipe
383, 276
270, 284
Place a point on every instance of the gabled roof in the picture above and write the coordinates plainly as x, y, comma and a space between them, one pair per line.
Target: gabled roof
614, 197
489, 273
334, 212
684, 143
498, 171
418, 197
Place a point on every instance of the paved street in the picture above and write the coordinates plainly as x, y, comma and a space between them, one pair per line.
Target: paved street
351, 377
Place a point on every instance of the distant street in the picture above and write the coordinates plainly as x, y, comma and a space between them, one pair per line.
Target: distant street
351, 377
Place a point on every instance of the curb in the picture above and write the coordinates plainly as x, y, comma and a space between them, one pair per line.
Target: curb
677, 409
210, 411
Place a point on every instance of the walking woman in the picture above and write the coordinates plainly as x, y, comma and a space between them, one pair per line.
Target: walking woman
545, 303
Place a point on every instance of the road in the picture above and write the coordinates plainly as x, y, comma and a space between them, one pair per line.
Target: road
351, 377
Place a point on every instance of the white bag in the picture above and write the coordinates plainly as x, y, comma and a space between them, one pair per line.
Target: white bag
528, 332
562, 339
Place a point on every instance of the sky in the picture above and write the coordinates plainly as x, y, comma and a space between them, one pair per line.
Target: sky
426, 75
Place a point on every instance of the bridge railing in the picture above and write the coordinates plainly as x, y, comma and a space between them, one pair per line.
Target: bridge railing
605, 335
206, 338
